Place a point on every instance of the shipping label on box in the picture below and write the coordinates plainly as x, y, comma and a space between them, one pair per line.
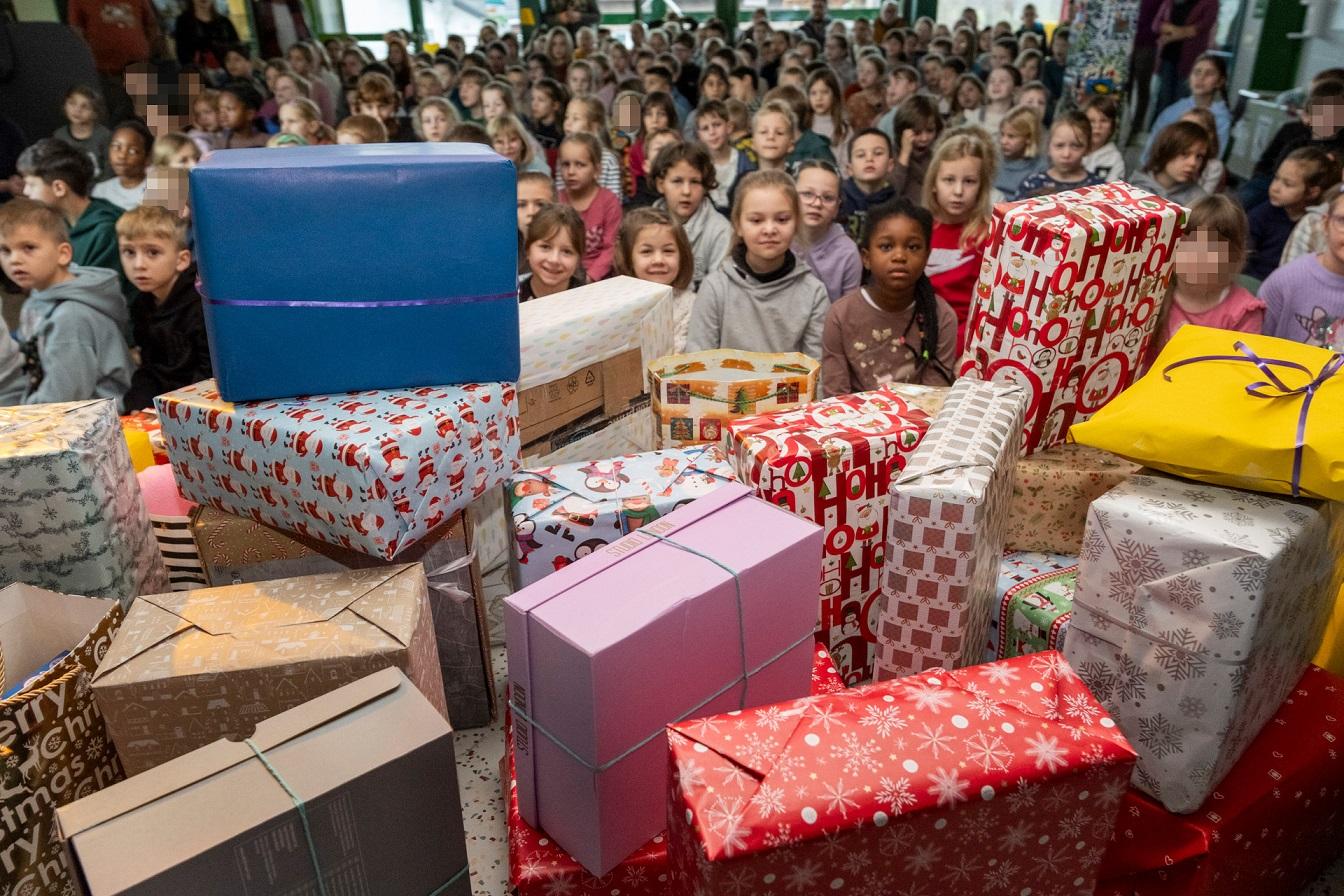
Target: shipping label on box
1069, 292
370, 471
565, 512
949, 508
1197, 609
192, 666
695, 394
71, 516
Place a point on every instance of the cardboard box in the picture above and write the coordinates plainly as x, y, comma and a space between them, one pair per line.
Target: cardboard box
1070, 290
608, 650
193, 666
1197, 609
374, 472
596, 435
563, 513
412, 283
608, 386
235, 550
54, 746
832, 462
372, 763
949, 509
73, 519
996, 779
695, 394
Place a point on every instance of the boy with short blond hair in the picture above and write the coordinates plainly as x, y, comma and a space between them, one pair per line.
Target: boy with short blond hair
360, 129
167, 321
71, 325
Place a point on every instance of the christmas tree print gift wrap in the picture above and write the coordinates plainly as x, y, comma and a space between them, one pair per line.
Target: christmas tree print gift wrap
1052, 492
1197, 609
1270, 826
1035, 604
1069, 293
374, 472
831, 462
945, 532
562, 513
71, 516
695, 394
982, 780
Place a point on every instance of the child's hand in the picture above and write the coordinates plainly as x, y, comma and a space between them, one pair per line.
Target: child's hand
907, 145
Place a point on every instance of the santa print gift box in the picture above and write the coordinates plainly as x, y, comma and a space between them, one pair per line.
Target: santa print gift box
831, 462
983, 780
682, 617
374, 472
379, 296
1068, 297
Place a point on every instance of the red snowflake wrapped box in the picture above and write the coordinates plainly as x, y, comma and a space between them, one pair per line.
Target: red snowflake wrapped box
994, 779
538, 867
831, 462
1270, 826
1069, 293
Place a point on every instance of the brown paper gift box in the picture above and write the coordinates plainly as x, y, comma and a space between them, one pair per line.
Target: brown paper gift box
190, 667
235, 549
53, 746
372, 765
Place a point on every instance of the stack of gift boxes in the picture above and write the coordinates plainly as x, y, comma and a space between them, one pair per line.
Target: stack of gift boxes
943, 640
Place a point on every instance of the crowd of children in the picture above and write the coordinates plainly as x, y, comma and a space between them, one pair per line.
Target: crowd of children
826, 196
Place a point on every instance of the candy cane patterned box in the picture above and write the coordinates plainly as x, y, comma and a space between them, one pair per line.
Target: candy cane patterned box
1069, 293
994, 779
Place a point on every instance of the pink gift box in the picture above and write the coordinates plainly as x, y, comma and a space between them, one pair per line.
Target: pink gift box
643, 633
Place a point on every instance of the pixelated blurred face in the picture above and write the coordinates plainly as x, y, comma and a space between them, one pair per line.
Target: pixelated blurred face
79, 111
434, 124
654, 255
532, 196
627, 113
493, 104
152, 263
712, 131
1202, 259
1102, 127
31, 257
1326, 117
127, 154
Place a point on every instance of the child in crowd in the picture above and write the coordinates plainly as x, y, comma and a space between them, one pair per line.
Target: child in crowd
128, 157
1321, 124
555, 249
204, 131
470, 84
377, 97
763, 299
1000, 87
1019, 150
585, 115
807, 143
1301, 180
712, 128
546, 103
1214, 177
916, 126
1207, 81
656, 113
302, 118
1304, 300
822, 241
167, 323
72, 324
956, 192
496, 100
535, 192
1104, 158
238, 105
1070, 140
823, 99
174, 150
652, 247
896, 329
510, 139
363, 129
1175, 164
869, 184
683, 174
82, 129
1203, 288
774, 130
1035, 95
600, 209
968, 100
60, 176
902, 83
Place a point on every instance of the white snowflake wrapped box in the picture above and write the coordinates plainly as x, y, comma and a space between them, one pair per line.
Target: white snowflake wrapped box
1197, 609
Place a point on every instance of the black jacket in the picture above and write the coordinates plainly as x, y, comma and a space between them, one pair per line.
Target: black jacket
203, 43
171, 337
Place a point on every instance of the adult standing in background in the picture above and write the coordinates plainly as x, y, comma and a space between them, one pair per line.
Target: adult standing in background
572, 14
1183, 29
280, 24
816, 25
1142, 64
119, 32
202, 34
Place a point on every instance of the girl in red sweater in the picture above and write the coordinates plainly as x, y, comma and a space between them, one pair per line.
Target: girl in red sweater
957, 190
580, 161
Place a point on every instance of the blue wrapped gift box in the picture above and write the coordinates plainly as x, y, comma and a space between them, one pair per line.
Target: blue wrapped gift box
345, 268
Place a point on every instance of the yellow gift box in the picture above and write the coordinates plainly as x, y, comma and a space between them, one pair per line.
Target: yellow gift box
1234, 409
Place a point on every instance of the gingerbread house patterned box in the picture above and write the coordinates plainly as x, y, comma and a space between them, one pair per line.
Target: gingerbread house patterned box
832, 462
190, 667
695, 394
949, 508
1069, 294
370, 471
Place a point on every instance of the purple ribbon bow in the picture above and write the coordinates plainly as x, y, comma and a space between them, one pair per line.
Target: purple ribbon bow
1274, 387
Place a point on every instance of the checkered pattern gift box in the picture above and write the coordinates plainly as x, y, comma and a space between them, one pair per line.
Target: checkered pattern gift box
945, 532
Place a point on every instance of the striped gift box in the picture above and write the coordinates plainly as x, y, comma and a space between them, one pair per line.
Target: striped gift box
170, 519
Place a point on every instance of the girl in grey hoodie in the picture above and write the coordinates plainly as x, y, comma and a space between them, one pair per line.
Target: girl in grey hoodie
763, 298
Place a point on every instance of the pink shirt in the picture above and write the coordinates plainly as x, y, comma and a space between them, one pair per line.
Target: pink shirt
601, 221
1239, 310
